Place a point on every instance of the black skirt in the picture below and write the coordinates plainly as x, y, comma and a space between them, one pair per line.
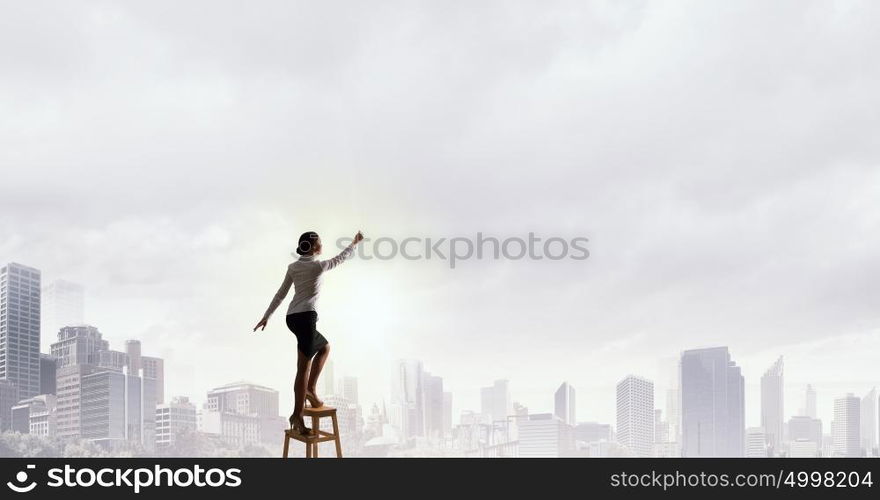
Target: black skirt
308, 339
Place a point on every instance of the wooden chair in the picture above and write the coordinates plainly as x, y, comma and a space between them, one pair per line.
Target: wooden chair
317, 436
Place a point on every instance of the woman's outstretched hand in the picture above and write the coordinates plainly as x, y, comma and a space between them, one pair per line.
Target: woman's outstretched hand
262, 324
358, 237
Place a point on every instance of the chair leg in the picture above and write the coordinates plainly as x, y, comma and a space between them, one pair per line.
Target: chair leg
336, 433
316, 427
286, 444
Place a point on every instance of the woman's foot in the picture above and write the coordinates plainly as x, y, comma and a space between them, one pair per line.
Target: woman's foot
298, 425
313, 399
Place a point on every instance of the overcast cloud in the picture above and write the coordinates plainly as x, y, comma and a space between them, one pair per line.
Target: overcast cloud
722, 158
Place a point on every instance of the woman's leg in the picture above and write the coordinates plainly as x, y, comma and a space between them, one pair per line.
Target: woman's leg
317, 365
299, 385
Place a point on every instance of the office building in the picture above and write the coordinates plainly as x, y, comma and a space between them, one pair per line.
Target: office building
545, 435
172, 418
712, 404
20, 328
635, 415
772, 408
564, 404
846, 427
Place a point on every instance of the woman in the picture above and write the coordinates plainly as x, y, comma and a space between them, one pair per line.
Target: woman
306, 275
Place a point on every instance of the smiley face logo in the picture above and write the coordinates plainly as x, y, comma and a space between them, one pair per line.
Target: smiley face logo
21, 477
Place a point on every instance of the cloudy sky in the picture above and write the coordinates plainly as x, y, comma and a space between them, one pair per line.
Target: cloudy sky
722, 159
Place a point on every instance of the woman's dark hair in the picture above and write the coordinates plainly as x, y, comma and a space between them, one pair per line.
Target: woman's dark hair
305, 242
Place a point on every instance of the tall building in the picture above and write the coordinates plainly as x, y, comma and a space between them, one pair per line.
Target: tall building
868, 422
63, 305
635, 415
495, 401
116, 407
772, 407
172, 418
433, 386
77, 353
544, 435
20, 328
756, 443
810, 402
327, 379
348, 389
712, 404
47, 374
447, 413
133, 353
408, 398
846, 426
154, 368
565, 404
673, 401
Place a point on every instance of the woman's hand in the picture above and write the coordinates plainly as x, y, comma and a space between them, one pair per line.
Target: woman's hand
358, 237
262, 324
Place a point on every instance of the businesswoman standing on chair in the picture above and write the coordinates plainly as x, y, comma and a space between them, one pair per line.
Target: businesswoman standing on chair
306, 275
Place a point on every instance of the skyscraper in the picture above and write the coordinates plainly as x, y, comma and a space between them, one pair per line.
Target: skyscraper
810, 402
712, 404
133, 351
327, 380
565, 404
868, 422
20, 328
154, 368
495, 401
846, 426
635, 415
772, 407
349, 389
408, 398
447, 412
63, 305
433, 386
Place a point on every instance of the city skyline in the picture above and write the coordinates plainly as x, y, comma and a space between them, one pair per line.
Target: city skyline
421, 407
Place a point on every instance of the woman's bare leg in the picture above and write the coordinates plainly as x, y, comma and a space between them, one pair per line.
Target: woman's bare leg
299, 385
317, 365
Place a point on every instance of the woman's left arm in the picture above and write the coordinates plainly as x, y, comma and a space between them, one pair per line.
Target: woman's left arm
277, 299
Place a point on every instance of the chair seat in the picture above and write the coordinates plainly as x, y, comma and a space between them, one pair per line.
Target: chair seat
321, 411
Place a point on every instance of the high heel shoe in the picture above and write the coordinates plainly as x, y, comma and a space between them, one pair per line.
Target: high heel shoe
298, 425
313, 400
